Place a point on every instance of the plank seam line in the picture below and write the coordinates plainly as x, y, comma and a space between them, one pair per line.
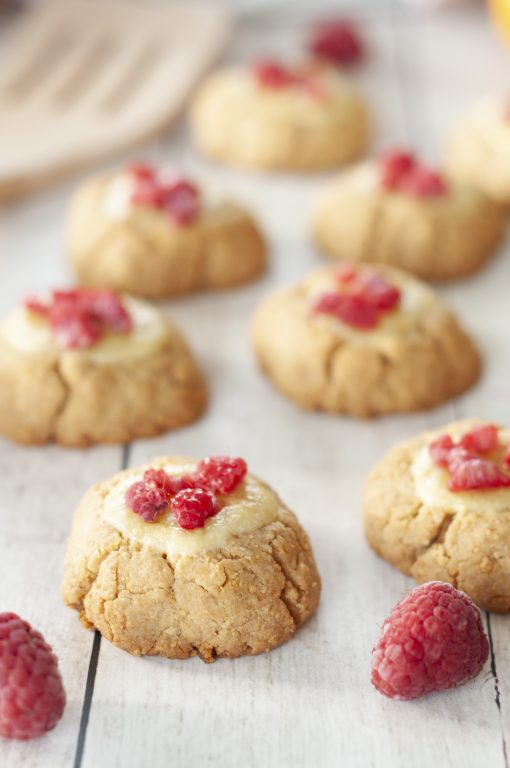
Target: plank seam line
93, 663
497, 698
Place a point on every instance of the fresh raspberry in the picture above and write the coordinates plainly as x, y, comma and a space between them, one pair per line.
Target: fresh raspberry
474, 474
147, 500
440, 449
79, 317
272, 74
142, 171
402, 172
394, 166
176, 196
364, 296
221, 474
336, 41
353, 310
483, 439
192, 507
32, 696
469, 469
381, 294
432, 640
423, 182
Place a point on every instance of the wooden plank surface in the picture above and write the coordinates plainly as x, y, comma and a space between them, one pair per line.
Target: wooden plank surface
308, 703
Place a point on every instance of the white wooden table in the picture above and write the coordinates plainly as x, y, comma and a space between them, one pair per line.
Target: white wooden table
310, 702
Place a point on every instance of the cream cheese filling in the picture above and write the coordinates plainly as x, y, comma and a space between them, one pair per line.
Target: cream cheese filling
431, 481
251, 506
31, 334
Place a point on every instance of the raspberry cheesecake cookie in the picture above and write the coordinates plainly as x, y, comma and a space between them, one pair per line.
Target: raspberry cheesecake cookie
152, 233
182, 558
82, 366
364, 341
438, 507
397, 211
273, 116
479, 152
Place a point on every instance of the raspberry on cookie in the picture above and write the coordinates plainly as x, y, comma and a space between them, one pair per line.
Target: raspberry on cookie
270, 115
153, 233
395, 210
363, 340
438, 507
479, 149
84, 366
182, 558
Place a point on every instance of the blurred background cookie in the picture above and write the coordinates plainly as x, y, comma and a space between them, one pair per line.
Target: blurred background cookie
363, 341
397, 211
154, 233
271, 115
480, 147
83, 366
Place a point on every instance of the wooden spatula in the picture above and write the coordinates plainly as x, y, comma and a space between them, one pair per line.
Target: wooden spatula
82, 79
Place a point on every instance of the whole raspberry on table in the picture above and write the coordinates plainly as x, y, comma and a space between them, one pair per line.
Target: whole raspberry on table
432, 640
336, 41
32, 696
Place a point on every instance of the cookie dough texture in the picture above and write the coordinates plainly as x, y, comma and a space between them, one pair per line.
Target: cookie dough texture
236, 121
76, 399
469, 549
434, 238
245, 598
319, 365
479, 152
144, 254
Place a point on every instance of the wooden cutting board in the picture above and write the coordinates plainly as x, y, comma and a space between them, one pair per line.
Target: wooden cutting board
82, 79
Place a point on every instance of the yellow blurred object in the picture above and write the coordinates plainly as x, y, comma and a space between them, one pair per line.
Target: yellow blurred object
500, 10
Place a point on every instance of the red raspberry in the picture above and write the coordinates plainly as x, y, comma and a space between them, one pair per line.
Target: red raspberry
353, 310
72, 328
336, 41
32, 696
394, 166
79, 317
221, 474
142, 171
422, 182
272, 74
380, 293
192, 507
440, 450
432, 640
178, 197
363, 298
483, 439
147, 500
474, 474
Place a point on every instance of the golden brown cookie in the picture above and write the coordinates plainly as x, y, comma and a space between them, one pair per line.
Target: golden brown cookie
395, 211
438, 507
74, 379
363, 341
480, 147
269, 116
240, 583
151, 233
